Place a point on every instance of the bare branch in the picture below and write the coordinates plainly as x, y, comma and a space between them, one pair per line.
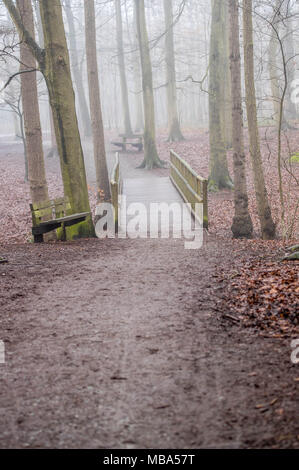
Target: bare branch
24, 34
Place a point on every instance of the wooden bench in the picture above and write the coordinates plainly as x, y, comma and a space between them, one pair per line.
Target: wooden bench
134, 140
52, 215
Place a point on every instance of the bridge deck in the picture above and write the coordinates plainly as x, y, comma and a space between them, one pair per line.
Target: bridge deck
150, 190
153, 190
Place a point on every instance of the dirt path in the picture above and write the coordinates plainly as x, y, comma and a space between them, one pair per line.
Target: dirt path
119, 344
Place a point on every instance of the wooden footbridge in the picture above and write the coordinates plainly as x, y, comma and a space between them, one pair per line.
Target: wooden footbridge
182, 185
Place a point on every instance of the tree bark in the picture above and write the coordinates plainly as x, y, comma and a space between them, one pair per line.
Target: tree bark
95, 102
122, 71
226, 115
33, 132
56, 70
264, 211
175, 134
54, 64
242, 224
139, 116
151, 158
219, 175
53, 150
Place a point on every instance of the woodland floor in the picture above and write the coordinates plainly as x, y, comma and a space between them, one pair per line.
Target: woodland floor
143, 344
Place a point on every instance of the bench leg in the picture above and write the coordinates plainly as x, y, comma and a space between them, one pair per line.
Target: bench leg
39, 238
64, 233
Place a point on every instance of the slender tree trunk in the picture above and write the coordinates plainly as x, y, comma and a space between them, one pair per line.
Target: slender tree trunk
84, 111
17, 127
122, 70
219, 174
151, 157
264, 211
139, 119
242, 224
175, 133
95, 102
291, 111
226, 115
275, 79
33, 132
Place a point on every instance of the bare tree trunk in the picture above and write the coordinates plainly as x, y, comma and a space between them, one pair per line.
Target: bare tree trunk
122, 70
175, 133
219, 175
275, 79
242, 224
226, 116
84, 111
264, 211
139, 123
33, 132
151, 157
54, 64
95, 102
290, 58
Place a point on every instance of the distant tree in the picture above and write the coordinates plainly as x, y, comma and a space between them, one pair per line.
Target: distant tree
274, 69
12, 102
122, 70
77, 73
139, 115
175, 133
95, 101
151, 157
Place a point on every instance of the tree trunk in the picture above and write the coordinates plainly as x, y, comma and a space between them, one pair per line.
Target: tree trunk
95, 102
175, 134
139, 118
151, 158
53, 150
226, 115
122, 70
54, 63
57, 73
275, 79
290, 57
84, 111
219, 175
264, 211
242, 224
33, 133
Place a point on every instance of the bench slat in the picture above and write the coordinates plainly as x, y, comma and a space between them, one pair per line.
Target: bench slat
64, 219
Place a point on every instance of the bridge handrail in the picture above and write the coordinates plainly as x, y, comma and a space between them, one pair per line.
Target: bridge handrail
116, 187
192, 187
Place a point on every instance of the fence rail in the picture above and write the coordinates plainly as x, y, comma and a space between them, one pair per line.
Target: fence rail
192, 187
116, 189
